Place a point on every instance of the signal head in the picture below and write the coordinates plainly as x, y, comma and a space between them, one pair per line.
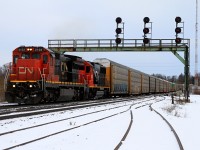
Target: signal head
146, 19
118, 30
178, 19
178, 40
178, 30
118, 40
118, 20
145, 40
146, 30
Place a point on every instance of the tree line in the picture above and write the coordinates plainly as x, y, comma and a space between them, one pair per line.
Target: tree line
176, 79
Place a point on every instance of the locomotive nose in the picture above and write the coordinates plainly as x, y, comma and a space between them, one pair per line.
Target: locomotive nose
28, 69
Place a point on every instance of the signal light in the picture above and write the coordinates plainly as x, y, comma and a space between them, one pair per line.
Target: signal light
118, 20
178, 29
146, 30
146, 19
178, 40
178, 19
118, 30
118, 40
145, 40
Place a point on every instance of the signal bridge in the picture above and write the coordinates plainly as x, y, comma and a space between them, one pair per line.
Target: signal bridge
135, 45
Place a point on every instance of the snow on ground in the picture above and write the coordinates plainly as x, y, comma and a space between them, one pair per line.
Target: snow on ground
103, 135
184, 117
148, 130
6, 104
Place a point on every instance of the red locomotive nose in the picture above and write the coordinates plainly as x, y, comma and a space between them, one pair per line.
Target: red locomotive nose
28, 69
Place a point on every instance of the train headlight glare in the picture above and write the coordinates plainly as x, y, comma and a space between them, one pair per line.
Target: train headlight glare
14, 85
30, 86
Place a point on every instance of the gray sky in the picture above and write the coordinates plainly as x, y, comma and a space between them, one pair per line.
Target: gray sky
33, 22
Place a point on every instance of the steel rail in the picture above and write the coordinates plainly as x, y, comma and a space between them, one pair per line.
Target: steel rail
13, 131
171, 127
127, 131
130, 125
61, 108
56, 133
94, 121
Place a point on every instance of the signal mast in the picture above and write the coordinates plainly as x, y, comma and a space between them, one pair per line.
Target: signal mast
196, 47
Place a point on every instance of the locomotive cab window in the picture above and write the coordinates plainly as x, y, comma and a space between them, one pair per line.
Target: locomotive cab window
25, 56
35, 56
87, 69
45, 59
15, 58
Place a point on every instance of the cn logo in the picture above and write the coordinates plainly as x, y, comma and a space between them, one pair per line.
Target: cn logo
24, 70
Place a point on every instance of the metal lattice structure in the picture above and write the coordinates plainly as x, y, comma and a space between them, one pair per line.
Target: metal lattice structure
127, 45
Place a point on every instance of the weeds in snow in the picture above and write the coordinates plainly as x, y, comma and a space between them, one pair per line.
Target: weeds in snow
72, 123
175, 110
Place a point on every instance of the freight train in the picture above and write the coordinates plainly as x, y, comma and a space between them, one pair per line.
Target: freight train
39, 74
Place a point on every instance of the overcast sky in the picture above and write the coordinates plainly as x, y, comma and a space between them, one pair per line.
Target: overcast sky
33, 22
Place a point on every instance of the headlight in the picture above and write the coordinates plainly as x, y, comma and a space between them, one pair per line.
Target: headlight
14, 85
30, 86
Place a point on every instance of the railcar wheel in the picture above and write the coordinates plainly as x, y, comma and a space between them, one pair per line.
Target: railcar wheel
33, 100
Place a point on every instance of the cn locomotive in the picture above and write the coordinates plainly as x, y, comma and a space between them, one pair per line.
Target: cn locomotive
39, 74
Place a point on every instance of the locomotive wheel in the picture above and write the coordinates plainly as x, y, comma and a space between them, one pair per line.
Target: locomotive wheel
37, 99
54, 98
33, 100
28, 101
76, 96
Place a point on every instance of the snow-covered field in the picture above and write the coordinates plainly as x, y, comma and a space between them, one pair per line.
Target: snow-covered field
148, 130
185, 120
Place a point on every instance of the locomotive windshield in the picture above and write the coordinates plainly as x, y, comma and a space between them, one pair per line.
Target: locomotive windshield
25, 56
35, 56
28, 56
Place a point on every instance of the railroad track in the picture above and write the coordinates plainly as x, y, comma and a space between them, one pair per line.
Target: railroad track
131, 122
171, 128
122, 108
16, 111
